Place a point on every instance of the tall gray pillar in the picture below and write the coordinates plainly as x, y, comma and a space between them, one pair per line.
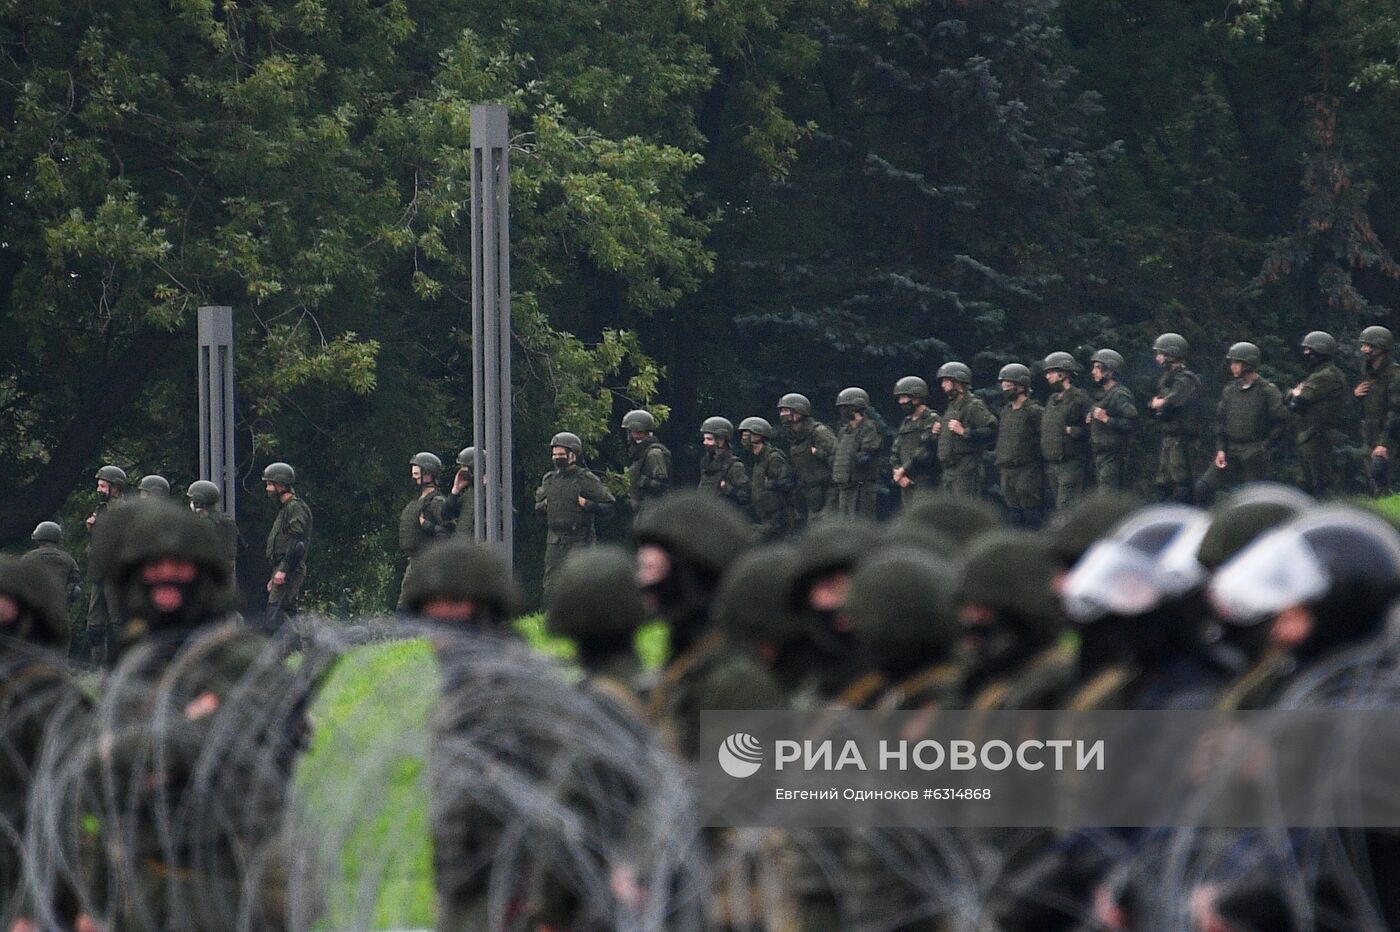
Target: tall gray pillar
216, 402
491, 339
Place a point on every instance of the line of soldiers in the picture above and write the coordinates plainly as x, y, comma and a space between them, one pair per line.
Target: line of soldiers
1046, 456
286, 549
1117, 605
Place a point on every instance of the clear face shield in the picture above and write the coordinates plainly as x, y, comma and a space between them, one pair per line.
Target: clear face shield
1178, 569
1275, 572
1112, 578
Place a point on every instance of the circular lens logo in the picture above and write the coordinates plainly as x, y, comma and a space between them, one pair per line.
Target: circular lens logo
740, 755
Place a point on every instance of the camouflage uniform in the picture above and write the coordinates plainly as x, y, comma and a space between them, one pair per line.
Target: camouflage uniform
772, 485
570, 524
1380, 406
60, 563
723, 473
1249, 416
1317, 409
915, 450
1064, 444
1110, 440
811, 447
1018, 461
649, 473
961, 456
1180, 388
287, 545
104, 612
414, 535
855, 468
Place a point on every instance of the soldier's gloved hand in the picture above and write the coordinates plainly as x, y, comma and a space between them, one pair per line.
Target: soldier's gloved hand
279, 578
582, 502
1362, 389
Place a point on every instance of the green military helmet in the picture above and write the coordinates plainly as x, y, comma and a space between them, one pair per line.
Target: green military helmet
1111, 360
833, 546
1060, 361
154, 485
154, 529
920, 536
1320, 342
280, 473
38, 589
428, 463
756, 425
47, 532
958, 372
701, 529
957, 517
114, 475
1246, 353
900, 605
1379, 337
568, 441
751, 604
467, 457
203, 493
853, 397
1074, 530
593, 596
797, 403
639, 420
1234, 525
1014, 572
460, 569
721, 427
911, 385
1172, 345
1015, 372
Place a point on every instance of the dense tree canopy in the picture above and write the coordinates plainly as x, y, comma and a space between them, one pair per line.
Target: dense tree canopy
713, 203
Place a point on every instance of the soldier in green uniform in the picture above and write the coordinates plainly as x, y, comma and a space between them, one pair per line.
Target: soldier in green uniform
569, 498
721, 472
968, 427
1064, 431
684, 546
460, 507
153, 487
204, 500
914, 456
811, 446
104, 610
463, 583
773, 482
855, 466
649, 472
422, 520
1112, 421
287, 544
1018, 448
1250, 415
49, 554
1174, 406
595, 603
1316, 403
1379, 391
39, 703
191, 845
1012, 623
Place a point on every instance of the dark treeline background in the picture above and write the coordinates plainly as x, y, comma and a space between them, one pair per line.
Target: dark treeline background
714, 202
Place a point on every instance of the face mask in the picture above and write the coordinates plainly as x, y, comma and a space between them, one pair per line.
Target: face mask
104, 497
274, 494
1010, 394
907, 407
560, 462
